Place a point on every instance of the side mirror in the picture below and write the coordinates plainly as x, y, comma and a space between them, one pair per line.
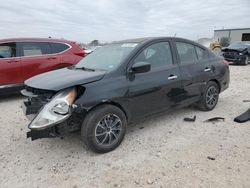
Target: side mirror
140, 67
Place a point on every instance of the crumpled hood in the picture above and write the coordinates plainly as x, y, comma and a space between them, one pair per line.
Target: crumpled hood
233, 49
63, 78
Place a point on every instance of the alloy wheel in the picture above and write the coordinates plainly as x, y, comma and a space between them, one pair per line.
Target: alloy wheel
108, 130
211, 96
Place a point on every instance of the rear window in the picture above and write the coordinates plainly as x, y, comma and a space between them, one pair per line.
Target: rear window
7, 50
35, 48
58, 47
201, 53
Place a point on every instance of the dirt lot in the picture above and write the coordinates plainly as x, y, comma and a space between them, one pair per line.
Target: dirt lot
163, 151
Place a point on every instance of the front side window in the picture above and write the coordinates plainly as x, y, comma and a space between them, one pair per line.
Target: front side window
7, 50
107, 57
157, 55
186, 53
35, 48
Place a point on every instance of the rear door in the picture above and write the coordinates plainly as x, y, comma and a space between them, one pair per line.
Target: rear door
158, 89
194, 68
10, 66
37, 58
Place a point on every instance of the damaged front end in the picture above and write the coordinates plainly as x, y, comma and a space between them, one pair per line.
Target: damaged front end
235, 55
50, 112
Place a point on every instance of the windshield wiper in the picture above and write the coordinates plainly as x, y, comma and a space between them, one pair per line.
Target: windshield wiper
85, 68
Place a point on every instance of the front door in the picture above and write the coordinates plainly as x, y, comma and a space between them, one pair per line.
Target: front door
158, 89
10, 66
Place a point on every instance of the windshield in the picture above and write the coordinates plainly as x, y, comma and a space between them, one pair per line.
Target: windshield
239, 45
106, 57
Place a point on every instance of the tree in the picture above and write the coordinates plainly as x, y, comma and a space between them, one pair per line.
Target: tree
94, 43
225, 41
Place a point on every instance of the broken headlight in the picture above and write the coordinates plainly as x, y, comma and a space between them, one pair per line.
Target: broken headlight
56, 111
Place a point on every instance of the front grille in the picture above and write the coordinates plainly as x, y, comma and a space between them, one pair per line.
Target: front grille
230, 55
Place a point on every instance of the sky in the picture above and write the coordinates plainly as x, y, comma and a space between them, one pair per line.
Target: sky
111, 20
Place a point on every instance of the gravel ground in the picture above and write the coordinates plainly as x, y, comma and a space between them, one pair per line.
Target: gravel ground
162, 151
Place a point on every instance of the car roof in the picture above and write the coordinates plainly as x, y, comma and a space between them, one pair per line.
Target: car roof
148, 39
35, 40
144, 40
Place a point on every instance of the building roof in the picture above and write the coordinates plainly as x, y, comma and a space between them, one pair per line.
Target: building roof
234, 29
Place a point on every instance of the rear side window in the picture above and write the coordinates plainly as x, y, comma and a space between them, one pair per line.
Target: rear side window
201, 53
58, 47
186, 52
35, 48
157, 55
7, 50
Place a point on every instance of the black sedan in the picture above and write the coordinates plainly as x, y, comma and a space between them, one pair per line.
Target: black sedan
122, 83
238, 52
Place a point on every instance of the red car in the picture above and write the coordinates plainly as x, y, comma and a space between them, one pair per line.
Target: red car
23, 58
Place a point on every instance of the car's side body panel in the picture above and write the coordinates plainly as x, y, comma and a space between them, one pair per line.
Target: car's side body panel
148, 93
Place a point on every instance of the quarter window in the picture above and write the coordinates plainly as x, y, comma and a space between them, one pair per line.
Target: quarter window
7, 50
157, 55
186, 53
35, 48
58, 47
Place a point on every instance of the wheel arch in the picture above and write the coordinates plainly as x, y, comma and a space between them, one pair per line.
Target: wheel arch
217, 82
116, 104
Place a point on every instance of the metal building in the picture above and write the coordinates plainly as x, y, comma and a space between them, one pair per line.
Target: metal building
241, 34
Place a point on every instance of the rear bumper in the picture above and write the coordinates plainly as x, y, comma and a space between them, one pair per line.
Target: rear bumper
11, 88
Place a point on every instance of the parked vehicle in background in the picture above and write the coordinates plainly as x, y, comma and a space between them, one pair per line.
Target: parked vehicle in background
238, 52
23, 58
120, 83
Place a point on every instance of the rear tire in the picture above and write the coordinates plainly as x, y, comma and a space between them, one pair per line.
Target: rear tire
210, 97
104, 128
246, 60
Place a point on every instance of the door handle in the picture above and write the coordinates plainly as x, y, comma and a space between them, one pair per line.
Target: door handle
207, 69
13, 61
172, 77
51, 57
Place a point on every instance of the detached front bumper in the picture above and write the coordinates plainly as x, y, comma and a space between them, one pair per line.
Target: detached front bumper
46, 133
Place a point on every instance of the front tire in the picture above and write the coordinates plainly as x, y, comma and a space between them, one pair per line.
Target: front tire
210, 97
104, 128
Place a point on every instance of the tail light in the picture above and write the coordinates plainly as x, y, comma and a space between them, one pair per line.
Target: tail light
80, 53
225, 62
